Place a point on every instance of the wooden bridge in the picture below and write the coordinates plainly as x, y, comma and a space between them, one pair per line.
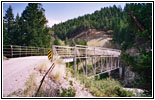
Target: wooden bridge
88, 60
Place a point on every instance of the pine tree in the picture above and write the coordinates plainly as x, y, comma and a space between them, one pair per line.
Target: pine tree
35, 30
5, 35
17, 31
9, 22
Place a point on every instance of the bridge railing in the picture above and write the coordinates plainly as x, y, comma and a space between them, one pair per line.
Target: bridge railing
84, 51
93, 60
21, 51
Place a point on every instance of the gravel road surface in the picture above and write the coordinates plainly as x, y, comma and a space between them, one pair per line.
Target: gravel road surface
17, 70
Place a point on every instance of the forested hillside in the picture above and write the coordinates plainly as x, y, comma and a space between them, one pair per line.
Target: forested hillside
132, 30
106, 18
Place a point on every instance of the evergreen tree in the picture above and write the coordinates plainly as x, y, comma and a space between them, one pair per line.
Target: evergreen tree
35, 30
17, 31
5, 35
140, 63
9, 22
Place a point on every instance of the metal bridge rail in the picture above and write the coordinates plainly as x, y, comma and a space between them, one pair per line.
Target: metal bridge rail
21, 51
84, 51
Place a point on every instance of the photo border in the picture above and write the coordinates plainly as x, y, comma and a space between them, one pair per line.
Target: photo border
77, 97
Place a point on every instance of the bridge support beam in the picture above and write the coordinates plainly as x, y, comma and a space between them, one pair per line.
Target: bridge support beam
75, 69
120, 72
86, 66
109, 74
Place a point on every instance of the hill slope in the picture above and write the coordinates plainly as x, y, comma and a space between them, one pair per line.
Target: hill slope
107, 18
96, 38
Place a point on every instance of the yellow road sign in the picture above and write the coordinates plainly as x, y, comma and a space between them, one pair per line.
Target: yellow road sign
50, 54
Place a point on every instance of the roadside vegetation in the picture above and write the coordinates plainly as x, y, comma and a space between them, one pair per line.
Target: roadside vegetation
104, 87
5, 58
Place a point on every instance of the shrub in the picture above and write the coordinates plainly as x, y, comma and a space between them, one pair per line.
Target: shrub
58, 41
71, 82
123, 93
70, 92
105, 87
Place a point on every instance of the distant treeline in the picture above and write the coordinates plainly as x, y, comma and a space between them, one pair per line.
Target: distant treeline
107, 18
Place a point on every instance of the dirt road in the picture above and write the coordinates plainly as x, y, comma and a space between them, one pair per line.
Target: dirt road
17, 70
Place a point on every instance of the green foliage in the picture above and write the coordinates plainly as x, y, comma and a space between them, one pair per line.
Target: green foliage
105, 87
8, 26
70, 92
70, 68
106, 18
18, 36
5, 35
57, 41
71, 82
78, 42
123, 93
37, 34
30, 29
141, 62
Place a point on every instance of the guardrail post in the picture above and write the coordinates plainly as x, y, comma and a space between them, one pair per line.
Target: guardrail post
31, 50
26, 50
44, 52
11, 51
52, 48
20, 50
38, 51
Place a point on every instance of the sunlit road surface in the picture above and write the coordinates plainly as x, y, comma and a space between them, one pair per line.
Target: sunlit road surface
17, 70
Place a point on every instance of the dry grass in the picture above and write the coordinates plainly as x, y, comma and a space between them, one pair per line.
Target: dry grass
59, 70
57, 77
5, 58
31, 85
42, 68
101, 41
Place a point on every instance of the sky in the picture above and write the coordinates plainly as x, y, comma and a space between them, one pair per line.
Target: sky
61, 12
